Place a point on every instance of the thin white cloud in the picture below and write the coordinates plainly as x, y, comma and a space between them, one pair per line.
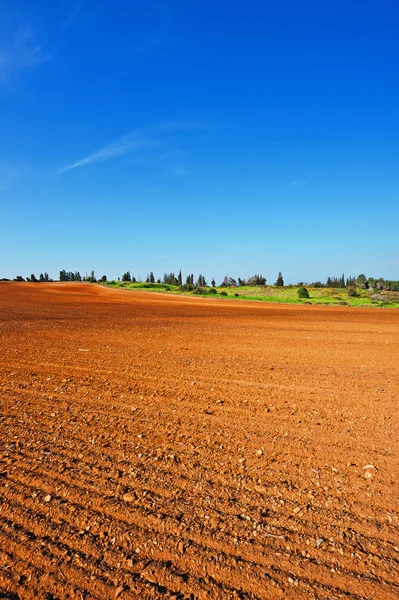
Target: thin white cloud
71, 18
124, 145
20, 53
139, 140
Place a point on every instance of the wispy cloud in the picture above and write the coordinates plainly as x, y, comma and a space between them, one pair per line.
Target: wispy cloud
10, 173
20, 52
71, 18
124, 145
297, 183
140, 140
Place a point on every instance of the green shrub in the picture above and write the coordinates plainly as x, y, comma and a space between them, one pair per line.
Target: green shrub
223, 293
236, 295
200, 290
212, 291
303, 292
187, 287
352, 293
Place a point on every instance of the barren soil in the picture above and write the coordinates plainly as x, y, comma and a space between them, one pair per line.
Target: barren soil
158, 446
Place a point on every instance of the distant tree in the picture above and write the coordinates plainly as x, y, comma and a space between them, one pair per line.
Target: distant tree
152, 278
228, 282
179, 278
126, 276
280, 280
19, 278
256, 280
361, 281
380, 284
371, 283
89, 278
190, 279
213, 282
201, 281
170, 279
103, 278
32, 278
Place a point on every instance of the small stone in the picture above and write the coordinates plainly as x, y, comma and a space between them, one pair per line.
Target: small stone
261, 489
369, 471
319, 542
128, 497
180, 547
47, 498
259, 452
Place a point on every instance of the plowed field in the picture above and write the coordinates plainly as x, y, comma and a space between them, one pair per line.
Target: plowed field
156, 446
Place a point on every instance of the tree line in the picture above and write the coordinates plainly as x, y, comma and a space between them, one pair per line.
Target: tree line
190, 282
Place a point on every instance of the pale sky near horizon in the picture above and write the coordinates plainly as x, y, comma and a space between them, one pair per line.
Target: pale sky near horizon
226, 138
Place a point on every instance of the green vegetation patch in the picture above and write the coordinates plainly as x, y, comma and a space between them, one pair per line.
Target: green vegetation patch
319, 296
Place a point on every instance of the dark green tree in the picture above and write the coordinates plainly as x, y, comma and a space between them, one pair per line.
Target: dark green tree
280, 280
303, 292
361, 281
201, 281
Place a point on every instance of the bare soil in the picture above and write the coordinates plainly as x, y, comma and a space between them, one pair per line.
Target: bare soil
158, 446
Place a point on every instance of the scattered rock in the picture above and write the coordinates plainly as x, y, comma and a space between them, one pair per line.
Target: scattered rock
319, 542
47, 498
369, 471
128, 497
259, 452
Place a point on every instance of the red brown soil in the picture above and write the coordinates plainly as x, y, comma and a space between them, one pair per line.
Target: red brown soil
158, 446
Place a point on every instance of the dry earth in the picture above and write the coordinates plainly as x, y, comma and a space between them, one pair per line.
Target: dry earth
158, 446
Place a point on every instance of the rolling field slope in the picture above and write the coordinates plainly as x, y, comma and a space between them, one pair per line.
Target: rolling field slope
161, 446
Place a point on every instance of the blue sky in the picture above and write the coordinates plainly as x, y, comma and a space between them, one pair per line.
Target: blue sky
216, 137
